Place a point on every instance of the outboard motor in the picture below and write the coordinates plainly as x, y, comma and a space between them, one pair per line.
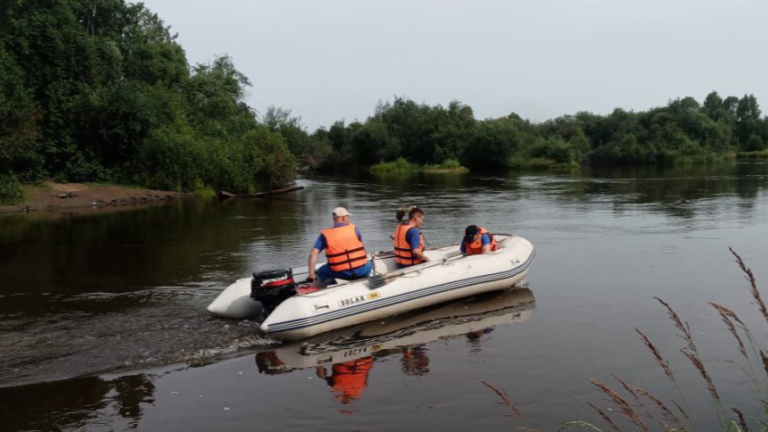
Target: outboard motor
272, 287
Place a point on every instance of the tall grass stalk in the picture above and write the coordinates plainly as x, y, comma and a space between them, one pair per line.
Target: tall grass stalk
603, 415
692, 354
671, 422
623, 405
581, 424
514, 412
737, 328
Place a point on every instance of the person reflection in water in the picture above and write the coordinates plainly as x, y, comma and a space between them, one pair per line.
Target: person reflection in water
348, 379
476, 337
415, 361
269, 363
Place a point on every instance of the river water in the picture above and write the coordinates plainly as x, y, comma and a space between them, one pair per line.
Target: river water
103, 323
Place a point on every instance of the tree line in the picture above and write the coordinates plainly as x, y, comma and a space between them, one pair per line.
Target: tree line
100, 90
431, 135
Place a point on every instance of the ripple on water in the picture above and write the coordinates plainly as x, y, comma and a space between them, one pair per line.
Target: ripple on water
101, 332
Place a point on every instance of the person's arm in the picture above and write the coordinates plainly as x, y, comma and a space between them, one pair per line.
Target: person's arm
420, 255
319, 246
463, 248
413, 238
486, 241
320, 371
311, 264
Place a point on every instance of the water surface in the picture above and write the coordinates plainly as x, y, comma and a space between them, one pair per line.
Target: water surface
102, 322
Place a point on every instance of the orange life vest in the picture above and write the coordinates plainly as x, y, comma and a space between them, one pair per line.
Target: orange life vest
351, 378
343, 249
403, 253
476, 247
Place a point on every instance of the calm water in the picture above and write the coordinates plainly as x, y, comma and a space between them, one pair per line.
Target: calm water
102, 321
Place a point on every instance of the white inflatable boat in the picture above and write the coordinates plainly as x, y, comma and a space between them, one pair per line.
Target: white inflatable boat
389, 291
461, 318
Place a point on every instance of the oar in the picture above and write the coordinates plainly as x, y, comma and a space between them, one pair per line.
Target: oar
378, 281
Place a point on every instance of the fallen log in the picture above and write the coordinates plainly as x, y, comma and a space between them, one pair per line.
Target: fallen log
227, 195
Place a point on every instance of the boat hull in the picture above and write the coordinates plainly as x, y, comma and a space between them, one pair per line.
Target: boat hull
305, 316
313, 330
454, 319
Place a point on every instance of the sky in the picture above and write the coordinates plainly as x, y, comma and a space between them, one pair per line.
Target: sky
329, 60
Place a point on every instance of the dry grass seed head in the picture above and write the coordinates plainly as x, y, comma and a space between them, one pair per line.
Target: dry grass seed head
764, 358
622, 404
742, 421
660, 405
752, 283
603, 415
663, 364
703, 371
727, 315
681, 325
504, 399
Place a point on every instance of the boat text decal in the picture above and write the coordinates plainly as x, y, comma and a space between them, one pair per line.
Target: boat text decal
351, 300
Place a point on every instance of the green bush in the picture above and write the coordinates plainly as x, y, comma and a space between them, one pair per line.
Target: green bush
397, 166
11, 190
130, 109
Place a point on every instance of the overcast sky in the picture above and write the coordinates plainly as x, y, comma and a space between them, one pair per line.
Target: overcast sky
328, 60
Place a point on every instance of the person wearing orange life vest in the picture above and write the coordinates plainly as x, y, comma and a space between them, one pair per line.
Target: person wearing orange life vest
343, 245
477, 240
409, 242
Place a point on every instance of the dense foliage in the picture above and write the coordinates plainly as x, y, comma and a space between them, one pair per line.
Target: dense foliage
100, 90
424, 135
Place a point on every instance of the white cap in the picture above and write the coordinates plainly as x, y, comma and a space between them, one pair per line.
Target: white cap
340, 212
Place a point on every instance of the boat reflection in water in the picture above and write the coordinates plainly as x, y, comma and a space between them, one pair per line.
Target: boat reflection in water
345, 359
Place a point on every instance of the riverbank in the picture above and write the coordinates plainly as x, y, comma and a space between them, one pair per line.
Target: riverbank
399, 166
52, 196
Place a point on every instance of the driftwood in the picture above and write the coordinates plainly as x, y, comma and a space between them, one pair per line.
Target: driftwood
227, 195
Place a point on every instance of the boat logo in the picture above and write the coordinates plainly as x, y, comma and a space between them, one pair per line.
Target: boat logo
351, 301
354, 352
374, 295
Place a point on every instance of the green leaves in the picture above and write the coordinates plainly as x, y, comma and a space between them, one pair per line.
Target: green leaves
99, 90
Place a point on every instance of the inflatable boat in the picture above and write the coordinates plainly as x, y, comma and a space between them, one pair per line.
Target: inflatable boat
472, 318
449, 275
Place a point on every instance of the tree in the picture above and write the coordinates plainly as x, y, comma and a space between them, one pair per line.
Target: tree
754, 143
747, 118
492, 145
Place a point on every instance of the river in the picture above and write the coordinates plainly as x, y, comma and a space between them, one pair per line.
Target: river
103, 323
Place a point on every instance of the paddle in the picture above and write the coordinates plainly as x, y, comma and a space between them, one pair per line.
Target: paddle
378, 281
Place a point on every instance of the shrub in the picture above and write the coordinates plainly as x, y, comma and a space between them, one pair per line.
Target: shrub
11, 190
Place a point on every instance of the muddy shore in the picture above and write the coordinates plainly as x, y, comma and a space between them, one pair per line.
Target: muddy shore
51, 196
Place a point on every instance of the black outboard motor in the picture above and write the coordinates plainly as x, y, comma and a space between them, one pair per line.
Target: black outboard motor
272, 287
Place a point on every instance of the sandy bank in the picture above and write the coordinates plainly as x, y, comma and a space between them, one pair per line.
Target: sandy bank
51, 196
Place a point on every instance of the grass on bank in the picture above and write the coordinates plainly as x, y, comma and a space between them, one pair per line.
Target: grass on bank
642, 410
542, 163
402, 166
754, 154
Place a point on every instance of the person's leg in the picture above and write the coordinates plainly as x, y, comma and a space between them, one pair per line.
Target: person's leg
364, 271
325, 275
